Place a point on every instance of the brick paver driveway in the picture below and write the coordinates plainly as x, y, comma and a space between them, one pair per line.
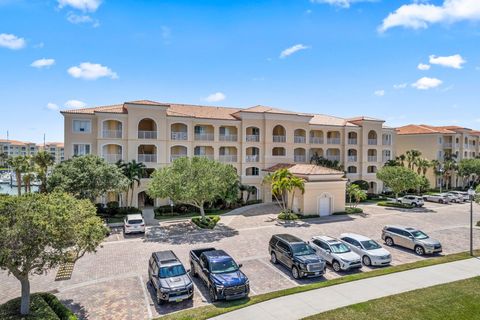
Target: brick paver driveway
112, 284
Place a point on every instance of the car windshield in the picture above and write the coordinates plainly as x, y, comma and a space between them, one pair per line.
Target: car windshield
339, 248
135, 221
171, 271
302, 249
223, 266
419, 235
370, 245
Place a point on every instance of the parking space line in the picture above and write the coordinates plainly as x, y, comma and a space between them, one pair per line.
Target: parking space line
147, 302
278, 271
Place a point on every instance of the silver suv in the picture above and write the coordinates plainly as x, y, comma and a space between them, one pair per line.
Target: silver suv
336, 253
411, 238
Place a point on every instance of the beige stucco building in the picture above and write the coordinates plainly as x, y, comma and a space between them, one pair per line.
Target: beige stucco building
15, 148
250, 139
435, 142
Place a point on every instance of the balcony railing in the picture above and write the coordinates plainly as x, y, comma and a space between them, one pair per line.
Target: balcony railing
252, 158
279, 138
147, 134
386, 158
228, 137
227, 158
204, 136
352, 158
179, 135
299, 158
174, 157
448, 145
151, 158
208, 156
112, 158
372, 158
333, 140
112, 134
333, 158
352, 141
299, 139
316, 140
372, 142
252, 138
387, 142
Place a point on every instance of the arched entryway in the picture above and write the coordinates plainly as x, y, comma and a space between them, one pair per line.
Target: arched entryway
144, 200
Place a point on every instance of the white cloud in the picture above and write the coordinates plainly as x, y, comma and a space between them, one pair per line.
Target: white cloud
83, 5
43, 63
456, 61
426, 83
379, 93
341, 3
400, 86
75, 104
91, 71
289, 51
52, 106
216, 97
421, 15
423, 66
11, 41
78, 19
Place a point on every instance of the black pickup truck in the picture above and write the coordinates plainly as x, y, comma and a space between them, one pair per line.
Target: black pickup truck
220, 273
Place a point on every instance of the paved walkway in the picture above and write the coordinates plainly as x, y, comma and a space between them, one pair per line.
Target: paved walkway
298, 306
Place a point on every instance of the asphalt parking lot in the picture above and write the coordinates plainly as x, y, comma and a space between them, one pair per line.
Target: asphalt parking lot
113, 282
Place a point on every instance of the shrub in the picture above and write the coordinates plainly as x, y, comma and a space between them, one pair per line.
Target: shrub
123, 211
349, 210
288, 216
394, 204
60, 310
209, 223
43, 306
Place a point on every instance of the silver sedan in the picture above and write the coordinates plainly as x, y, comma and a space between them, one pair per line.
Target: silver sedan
371, 252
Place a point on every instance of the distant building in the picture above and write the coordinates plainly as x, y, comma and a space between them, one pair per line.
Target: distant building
13, 148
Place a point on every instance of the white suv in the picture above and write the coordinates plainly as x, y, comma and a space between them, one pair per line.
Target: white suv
336, 253
133, 223
412, 200
371, 252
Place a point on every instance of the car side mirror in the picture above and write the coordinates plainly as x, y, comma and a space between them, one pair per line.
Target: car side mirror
240, 265
188, 270
411, 237
328, 251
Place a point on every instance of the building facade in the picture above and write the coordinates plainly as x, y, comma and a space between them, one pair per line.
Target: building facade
13, 148
438, 142
250, 139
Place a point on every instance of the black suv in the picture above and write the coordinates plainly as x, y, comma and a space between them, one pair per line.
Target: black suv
169, 278
296, 255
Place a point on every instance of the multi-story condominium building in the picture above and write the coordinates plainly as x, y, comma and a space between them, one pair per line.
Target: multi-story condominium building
56, 149
250, 139
15, 148
437, 142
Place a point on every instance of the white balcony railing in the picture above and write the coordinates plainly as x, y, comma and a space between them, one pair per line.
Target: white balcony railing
174, 157
147, 134
333, 140
372, 142
372, 158
112, 157
387, 142
252, 158
227, 158
208, 156
299, 139
352, 141
316, 140
279, 138
179, 135
333, 158
228, 137
448, 145
252, 138
149, 158
204, 136
352, 158
112, 134
299, 158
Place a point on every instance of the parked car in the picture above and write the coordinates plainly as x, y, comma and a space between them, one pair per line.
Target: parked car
411, 238
336, 253
371, 252
297, 255
169, 278
436, 198
220, 273
415, 201
133, 223
461, 195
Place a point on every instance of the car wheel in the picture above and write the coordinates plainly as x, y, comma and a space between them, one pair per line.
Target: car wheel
192, 270
212, 293
295, 273
419, 250
273, 258
366, 261
336, 266
159, 301
389, 241
414, 205
440, 201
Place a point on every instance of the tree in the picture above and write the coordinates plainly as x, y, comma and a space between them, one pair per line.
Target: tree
38, 232
469, 169
284, 184
321, 161
422, 165
18, 164
195, 181
354, 192
362, 184
423, 184
450, 167
411, 157
28, 174
43, 160
250, 190
399, 179
134, 171
87, 177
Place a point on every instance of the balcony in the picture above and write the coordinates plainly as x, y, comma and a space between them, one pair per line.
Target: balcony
279, 139
112, 158
386, 158
112, 134
179, 135
204, 136
228, 137
299, 158
147, 134
227, 158
316, 140
174, 157
333, 158
252, 138
352, 158
372, 142
387, 142
148, 158
252, 158
299, 139
333, 140
372, 158
352, 141
448, 145
208, 156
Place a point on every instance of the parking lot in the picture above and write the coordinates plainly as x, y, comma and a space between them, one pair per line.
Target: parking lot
113, 282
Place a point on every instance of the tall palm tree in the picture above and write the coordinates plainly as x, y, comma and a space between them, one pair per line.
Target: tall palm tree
411, 157
43, 160
423, 165
401, 160
250, 190
134, 171
284, 183
18, 165
450, 167
3, 157
28, 174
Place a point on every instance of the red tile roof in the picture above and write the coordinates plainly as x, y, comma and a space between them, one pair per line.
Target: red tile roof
304, 169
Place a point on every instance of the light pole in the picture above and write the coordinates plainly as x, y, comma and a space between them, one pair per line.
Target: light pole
441, 178
471, 193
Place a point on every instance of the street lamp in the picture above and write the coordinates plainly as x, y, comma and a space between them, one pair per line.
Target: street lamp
471, 193
441, 178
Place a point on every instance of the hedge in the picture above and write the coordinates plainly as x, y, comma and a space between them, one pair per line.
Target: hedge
43, 306
394, 204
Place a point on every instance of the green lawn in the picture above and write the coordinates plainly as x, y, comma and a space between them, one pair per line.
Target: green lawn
224, 307
457, 300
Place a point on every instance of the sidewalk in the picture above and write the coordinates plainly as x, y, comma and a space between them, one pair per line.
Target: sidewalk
308, 303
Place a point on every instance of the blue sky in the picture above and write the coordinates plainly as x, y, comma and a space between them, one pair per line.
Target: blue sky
340, 57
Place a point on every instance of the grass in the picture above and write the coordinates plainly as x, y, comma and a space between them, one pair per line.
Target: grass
224, 307
43, 306
457, 300
394, 205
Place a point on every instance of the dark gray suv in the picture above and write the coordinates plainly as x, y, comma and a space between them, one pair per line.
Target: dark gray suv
296, 255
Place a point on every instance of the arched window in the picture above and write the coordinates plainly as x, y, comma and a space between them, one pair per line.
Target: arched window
279, 134
372, 137
278, 152
352, 169
147, 129
252, 171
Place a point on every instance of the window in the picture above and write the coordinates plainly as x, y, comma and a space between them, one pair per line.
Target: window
282, 246
321, 244
440, 140
252, 171
82, 126
81, 149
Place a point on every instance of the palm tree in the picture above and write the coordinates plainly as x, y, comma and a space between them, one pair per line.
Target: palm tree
43, 160
18, 164
411, 157
284, 183
401, 159
250, 190
3, 157
28, 174
422, 166
450, 167
134, 171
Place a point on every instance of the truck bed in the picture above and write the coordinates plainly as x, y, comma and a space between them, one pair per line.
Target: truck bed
195, 254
